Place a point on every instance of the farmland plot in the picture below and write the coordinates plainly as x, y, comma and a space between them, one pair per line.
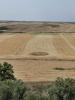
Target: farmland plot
45, 46
41, 70
39, 46
71, 39
5, 36
63, 47
13, 45
41, 43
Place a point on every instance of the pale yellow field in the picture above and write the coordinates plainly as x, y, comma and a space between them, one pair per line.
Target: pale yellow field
13, 45
22, 45
63, 46
27, 53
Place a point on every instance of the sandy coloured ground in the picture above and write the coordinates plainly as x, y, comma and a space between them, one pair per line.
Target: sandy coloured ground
17, 49
41, 70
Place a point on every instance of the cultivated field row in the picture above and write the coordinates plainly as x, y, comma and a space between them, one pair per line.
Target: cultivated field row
36, 57
37, 46
37, 70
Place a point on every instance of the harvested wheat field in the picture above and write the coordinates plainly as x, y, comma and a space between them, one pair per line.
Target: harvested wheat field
39, 57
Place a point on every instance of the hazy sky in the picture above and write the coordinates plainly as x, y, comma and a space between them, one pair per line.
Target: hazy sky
45, 10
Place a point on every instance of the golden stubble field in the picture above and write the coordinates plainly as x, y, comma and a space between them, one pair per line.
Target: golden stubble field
35, 57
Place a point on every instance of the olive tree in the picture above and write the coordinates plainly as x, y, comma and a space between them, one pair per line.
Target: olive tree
62, 89
6, 71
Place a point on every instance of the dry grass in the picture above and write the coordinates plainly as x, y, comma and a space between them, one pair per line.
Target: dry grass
5, 36
41, 43
25, 45
38, 70
31, 67
71, 39
14, 45
62, 47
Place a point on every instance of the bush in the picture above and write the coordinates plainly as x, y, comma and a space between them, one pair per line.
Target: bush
59, 68
62, 89
12, 90
6, 71
39, 53
32, 95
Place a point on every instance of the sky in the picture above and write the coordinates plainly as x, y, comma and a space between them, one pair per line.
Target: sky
38, 10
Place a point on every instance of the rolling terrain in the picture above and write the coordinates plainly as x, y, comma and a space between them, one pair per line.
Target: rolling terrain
36, 57
36, 27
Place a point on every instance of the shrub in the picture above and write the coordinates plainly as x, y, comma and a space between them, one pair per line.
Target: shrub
12, 90
39, 53
62, 89
6, 71
32, 95
59, 68
17, 89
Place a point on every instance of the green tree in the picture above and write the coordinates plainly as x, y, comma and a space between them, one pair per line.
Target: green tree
19, 90
6, 71
5, 94
62, 89
12, 90
32, 95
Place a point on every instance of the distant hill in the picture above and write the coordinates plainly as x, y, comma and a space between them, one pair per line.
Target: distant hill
36, 26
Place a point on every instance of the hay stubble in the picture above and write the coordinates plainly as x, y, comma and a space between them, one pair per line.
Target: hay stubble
22, 45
